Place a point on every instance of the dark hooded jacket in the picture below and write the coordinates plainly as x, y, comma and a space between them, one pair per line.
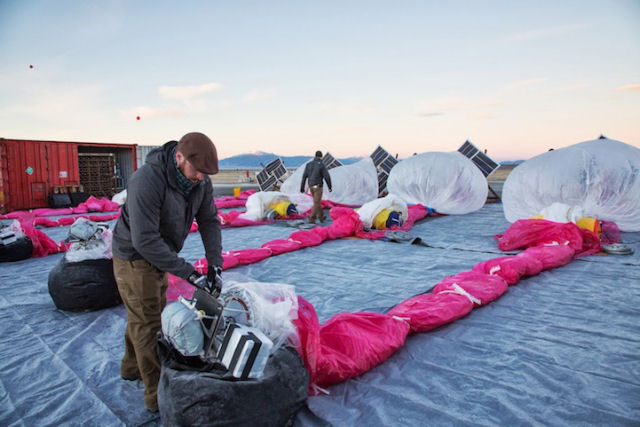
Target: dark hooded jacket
156, 217
315, 171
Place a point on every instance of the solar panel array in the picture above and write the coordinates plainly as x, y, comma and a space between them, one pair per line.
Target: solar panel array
481, 160
330, 162
271, 174
383, 162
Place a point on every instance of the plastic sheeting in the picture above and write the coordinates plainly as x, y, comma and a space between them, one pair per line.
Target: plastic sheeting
602, 177
447, 182
354, 184
557, 348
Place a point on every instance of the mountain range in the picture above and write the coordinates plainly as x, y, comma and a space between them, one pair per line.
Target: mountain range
261, 159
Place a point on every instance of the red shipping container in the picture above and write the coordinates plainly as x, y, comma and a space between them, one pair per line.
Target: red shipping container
29, 169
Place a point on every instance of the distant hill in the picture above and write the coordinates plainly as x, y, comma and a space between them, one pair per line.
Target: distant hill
260, 159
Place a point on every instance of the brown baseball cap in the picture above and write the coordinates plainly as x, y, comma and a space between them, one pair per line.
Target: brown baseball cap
199, 150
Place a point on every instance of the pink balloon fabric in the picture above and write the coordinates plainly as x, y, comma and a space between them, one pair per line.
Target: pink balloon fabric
430, 310
43, 245
281, 246
347, 345
483, 287
351, 343
233, 201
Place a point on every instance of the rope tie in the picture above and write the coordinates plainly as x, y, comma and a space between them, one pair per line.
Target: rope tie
458, 290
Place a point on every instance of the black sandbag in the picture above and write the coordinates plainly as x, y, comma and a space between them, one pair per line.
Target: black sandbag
21, 249
59, 200
78, 197
195, 398
84, 285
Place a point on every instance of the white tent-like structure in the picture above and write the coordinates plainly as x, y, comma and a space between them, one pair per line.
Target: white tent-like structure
447, 182
600, 177
354, 184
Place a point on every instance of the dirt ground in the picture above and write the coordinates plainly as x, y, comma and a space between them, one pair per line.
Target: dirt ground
233, 176
501, 173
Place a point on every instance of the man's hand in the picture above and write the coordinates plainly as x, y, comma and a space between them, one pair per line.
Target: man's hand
198, 280
214, 277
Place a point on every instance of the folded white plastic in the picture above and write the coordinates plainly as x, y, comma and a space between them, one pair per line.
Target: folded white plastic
371, 209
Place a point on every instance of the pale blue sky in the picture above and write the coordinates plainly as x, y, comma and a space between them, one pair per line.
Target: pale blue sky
290, 77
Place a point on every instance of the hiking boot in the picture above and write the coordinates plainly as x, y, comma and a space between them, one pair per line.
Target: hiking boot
153, 409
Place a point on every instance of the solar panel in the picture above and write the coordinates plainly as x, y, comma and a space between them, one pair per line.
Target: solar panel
485, 164
280, 171
330, 162
276, 168
271, 174
388, 164
384, 162
378, 155
382, 182
262, 176
481, 160
267, 184
468, 149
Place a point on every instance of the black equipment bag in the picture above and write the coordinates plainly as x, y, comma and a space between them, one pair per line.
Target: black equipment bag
84, 285
78, 197
59, 200
206, 395
21, 249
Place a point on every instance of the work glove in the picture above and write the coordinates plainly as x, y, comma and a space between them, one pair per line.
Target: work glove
214, 277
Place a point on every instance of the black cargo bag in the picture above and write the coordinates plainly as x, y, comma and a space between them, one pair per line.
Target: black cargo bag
201, 395
84, 285
59, 200
21, 249
78, 197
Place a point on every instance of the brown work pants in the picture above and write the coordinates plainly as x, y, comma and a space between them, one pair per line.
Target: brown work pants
143, 289
316, 212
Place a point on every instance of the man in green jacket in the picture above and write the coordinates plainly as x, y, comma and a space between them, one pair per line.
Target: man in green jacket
163, 198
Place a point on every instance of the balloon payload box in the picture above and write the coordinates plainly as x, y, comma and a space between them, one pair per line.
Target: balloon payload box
244, 351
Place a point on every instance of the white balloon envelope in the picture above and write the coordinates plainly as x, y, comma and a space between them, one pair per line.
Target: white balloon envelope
601, 177
447, 182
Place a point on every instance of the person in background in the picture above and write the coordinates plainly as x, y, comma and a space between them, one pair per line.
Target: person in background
163, 197
316, 172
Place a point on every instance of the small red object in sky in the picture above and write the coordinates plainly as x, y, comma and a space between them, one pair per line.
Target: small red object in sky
137, 117
30, 66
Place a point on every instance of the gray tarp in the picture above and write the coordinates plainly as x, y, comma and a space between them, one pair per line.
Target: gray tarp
560, 348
